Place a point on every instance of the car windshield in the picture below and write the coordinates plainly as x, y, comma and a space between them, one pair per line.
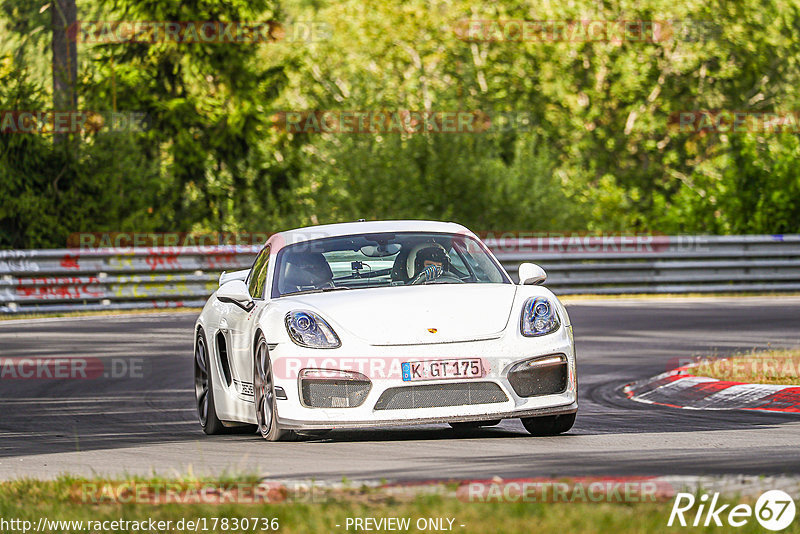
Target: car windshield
384, 260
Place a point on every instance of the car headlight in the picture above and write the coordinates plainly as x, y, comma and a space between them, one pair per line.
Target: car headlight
308, 329
539, 317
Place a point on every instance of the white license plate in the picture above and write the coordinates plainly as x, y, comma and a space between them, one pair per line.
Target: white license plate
442, 369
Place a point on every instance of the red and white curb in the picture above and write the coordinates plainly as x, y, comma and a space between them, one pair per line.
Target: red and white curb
681, 389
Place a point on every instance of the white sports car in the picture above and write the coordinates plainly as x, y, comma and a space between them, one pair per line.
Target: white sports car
370, 324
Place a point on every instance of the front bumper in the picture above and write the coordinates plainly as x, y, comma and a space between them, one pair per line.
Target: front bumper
498, 354
310, 425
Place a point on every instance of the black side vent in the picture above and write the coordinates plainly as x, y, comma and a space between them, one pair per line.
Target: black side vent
222, 347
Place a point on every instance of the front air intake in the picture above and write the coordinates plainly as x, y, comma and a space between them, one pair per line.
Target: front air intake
544, 375
440, 395
334, 393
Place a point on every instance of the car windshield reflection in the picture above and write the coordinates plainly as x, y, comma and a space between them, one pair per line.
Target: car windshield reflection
383, 260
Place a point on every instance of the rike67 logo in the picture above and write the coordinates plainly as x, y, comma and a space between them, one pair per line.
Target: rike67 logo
774, 510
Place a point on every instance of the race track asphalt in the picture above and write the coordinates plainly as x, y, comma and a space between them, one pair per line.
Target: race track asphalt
146, 423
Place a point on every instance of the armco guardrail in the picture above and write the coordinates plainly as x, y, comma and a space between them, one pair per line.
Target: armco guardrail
107, 279
659, 264
113, 279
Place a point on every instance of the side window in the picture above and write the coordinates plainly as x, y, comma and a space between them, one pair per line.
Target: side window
457, 263
258, 275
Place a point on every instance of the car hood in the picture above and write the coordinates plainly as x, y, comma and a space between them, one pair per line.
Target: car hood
406, 315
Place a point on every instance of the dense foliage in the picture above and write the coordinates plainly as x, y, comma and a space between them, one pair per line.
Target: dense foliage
599, 146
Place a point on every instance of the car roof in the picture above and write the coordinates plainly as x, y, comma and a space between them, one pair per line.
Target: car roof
308, 233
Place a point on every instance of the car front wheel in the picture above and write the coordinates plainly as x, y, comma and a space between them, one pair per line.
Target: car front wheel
264, 391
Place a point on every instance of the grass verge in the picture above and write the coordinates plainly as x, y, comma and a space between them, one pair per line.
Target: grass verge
778, 366
30, 500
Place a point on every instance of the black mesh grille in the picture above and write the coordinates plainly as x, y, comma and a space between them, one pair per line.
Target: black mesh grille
334, 393
440, 395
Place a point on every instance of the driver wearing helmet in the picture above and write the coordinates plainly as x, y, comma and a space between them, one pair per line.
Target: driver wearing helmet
428, 261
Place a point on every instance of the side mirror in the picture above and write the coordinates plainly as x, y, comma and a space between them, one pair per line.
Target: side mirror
531, 274
235, 292
233, 275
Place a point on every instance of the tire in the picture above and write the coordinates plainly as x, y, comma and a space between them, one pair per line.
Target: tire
203, 388
264, 395
550, 425
472, 425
